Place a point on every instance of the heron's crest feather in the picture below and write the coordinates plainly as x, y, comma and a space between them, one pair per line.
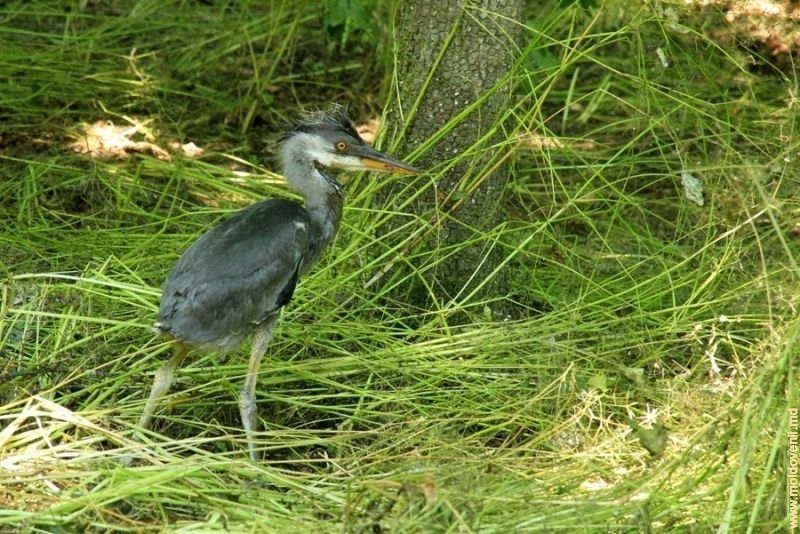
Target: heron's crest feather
335, 118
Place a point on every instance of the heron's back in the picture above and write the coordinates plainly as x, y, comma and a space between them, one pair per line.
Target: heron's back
236, 275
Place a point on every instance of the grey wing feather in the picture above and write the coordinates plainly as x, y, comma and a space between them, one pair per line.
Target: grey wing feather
236, 275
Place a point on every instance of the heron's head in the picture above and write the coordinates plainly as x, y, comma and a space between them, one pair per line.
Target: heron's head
329, 139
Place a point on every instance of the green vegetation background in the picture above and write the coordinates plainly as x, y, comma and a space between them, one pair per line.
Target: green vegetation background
647, 388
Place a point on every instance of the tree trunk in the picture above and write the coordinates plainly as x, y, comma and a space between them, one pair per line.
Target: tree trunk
454, 58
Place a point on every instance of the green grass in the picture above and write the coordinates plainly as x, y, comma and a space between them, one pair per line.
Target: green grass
634, 302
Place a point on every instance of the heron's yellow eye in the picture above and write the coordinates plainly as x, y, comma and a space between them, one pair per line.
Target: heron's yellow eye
341, 146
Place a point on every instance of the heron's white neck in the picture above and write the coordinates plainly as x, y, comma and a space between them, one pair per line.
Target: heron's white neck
324, 203
323, 194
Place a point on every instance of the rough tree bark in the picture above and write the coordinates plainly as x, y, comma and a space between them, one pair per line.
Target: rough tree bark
465, 49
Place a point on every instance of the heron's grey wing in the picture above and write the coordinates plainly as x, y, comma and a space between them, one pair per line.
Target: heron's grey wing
236, 275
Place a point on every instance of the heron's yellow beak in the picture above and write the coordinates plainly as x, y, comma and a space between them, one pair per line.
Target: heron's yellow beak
373, 160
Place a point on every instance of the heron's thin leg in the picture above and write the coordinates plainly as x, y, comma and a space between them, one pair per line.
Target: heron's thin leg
162, 382
247, 400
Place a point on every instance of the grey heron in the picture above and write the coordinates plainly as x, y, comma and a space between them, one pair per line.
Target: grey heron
234, 280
